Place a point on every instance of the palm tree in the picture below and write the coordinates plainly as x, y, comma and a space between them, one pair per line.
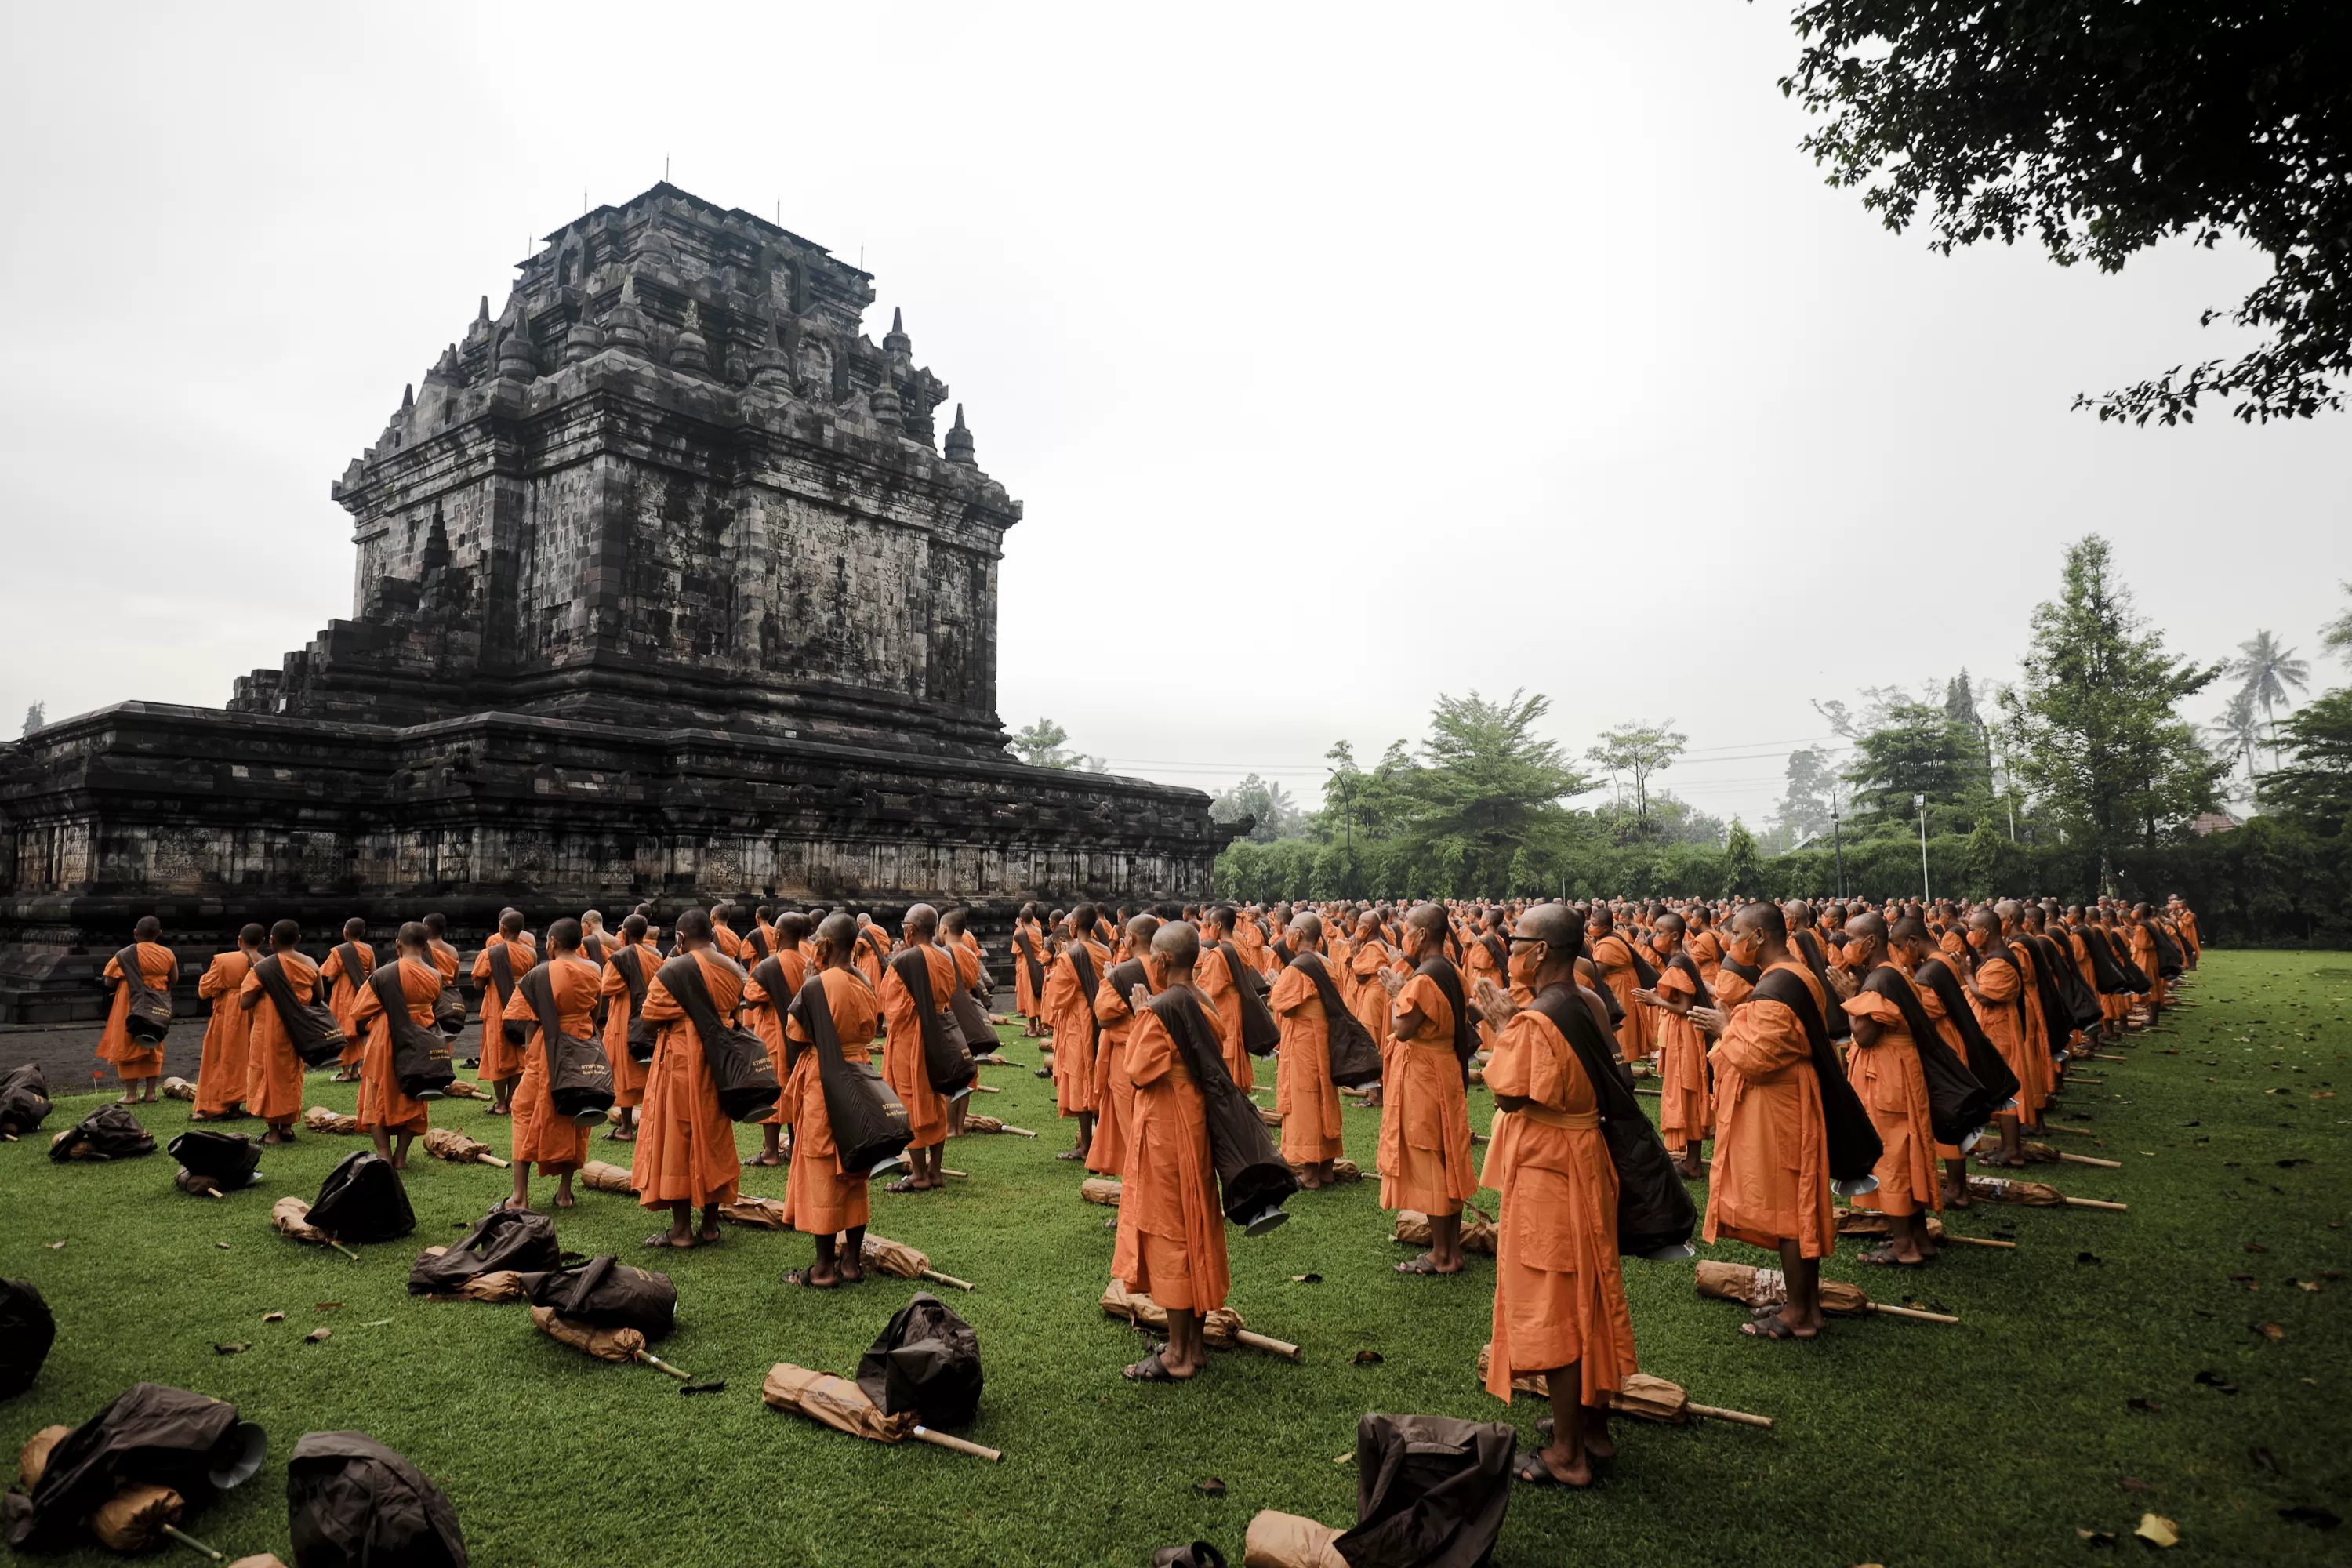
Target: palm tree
2266, 671
2235, 732
2336, 637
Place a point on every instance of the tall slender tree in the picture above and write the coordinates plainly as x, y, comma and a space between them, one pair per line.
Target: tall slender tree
2266, 671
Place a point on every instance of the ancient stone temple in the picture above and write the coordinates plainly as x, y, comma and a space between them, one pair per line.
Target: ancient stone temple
668, 587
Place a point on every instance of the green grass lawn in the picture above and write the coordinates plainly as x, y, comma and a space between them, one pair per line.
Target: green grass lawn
1899, 1442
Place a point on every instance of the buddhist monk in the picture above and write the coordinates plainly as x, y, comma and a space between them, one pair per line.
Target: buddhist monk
1172, 1233
903, 1061
1685, 1105
820, 1197
685, 1155
138, 1063
1996, 994
1029, 970
220, 1077
1883, 1065
1221, 973
500, 966
445, 959
1305, 1096
273, 1072
627, 975
1369, 960
1485, 956
563, 998
1612, 956
390, 1117
1114, 1090
1769, 1185
775, 979
1559, 1292
348, 965
1424, 1157
1071, 981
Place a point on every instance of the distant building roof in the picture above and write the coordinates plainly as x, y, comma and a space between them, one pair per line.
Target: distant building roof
2214, 822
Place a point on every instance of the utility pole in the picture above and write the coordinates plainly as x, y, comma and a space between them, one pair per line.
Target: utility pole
1837, 836
1921, 802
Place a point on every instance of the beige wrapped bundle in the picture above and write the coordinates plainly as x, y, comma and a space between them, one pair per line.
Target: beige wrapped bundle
137, 1516
188, 1182
1341, 1170
319, 1119
291, 1216
1413, 1229
1222, 1328
599, 1177
1770, 1288
2039, 1194
497, 1286
1271, 1118
1099, 1190
178, 1089
837, 1403
896, 1257
605, 1344
1290, 1541
448, 1143
259, 1559
32, 1458
975, 1123
466, 1089
1869, 1222
760, 1214
1643, 1396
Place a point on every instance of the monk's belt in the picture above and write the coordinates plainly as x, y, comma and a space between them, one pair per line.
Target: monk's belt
1444, 1043
1574, 1120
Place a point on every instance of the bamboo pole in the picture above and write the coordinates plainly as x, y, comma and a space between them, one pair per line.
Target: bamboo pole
2097, 1203
1653, 1093
1912, 1312
185, 1539
1739, 1416
985, 1089
1019, 1131
1975, 1241
994, 1456
2070, 1131
960, 1175
949, 1280
2086, 1160
656, 1361
1282, 1348
214, 1193
2107, 1057
346, 1251
493, 1160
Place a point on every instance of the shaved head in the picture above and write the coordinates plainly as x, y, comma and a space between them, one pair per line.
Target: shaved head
1178, 944
1141, 929
1309, 929
1867, 927
1556, 925
922, 919
838, 931
1766, 920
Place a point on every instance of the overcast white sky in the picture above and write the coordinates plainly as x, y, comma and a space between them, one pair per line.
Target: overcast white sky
1343, 355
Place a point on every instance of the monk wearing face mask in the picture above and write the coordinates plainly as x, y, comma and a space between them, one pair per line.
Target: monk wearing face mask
1425, 1125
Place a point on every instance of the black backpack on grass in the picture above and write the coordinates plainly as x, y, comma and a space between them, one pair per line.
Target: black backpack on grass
350, 1502
927, 1361
24, 1100
231, 1160
110, 1132
606, 1293
26, 1333
506, 1238
362, 1200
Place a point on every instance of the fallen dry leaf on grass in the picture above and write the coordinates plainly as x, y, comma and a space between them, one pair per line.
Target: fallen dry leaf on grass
2268, 1330
2152, 1407
2158, 1530
1368, 1358
2133, 1484
1318, 1279
230, 1350
2264, 1458
317, 1335
1212, 1487
2096, 1537
273, 1317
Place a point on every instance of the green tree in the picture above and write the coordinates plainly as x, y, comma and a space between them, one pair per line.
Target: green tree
1635, 752
1919, 750
1804, 808
2265, 670
1271, 812
2336, 637
1040, 745
2102, 127
2315, 788
2093, 722
2234, 734
1743, 874
35, 717
1487, 786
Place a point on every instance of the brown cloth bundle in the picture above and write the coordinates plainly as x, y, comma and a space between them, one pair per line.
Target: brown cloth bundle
497, 1286
760, 1214
1770, 1288
178, 1089
1341, 1170
975, 1123
136, 1517
896, 1257
2038, 1195
32, 1458
1290, 1541
1222, 1328
188, 1182
291, 1216
2043, 1154
598, 1176
1412, 1228
837, 1403
1271, 1118
1870, 1222
1099, 1190
1650, 1398
319, 1119
605, 1344
465, 1089
447, 1143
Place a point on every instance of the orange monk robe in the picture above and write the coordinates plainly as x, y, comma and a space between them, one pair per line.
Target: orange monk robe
1685, 1105
1211, 975
1770, 1178
1070, 1009
556, 1144
902, 1050
500, 1059
2187, 924
1999, 983
2143, 953
1559, 1290
273, 1073
1114, 1090
2037, 1022
1172, 1236
1366, 997
765, 1013
1731, 991
381, 1102
1612, 955
220, 1077
1893, 1088
1304, 1094
343, 994
628, 1073
1705, 949
1025, 985
871, 955
819, 1196
445, 959
723, 937
1425, 1159
685, 1150
136, 1059
1949, 1032
1249, 943
1478, 964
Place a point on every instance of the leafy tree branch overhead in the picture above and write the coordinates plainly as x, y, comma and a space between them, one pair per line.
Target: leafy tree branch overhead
2101, 128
